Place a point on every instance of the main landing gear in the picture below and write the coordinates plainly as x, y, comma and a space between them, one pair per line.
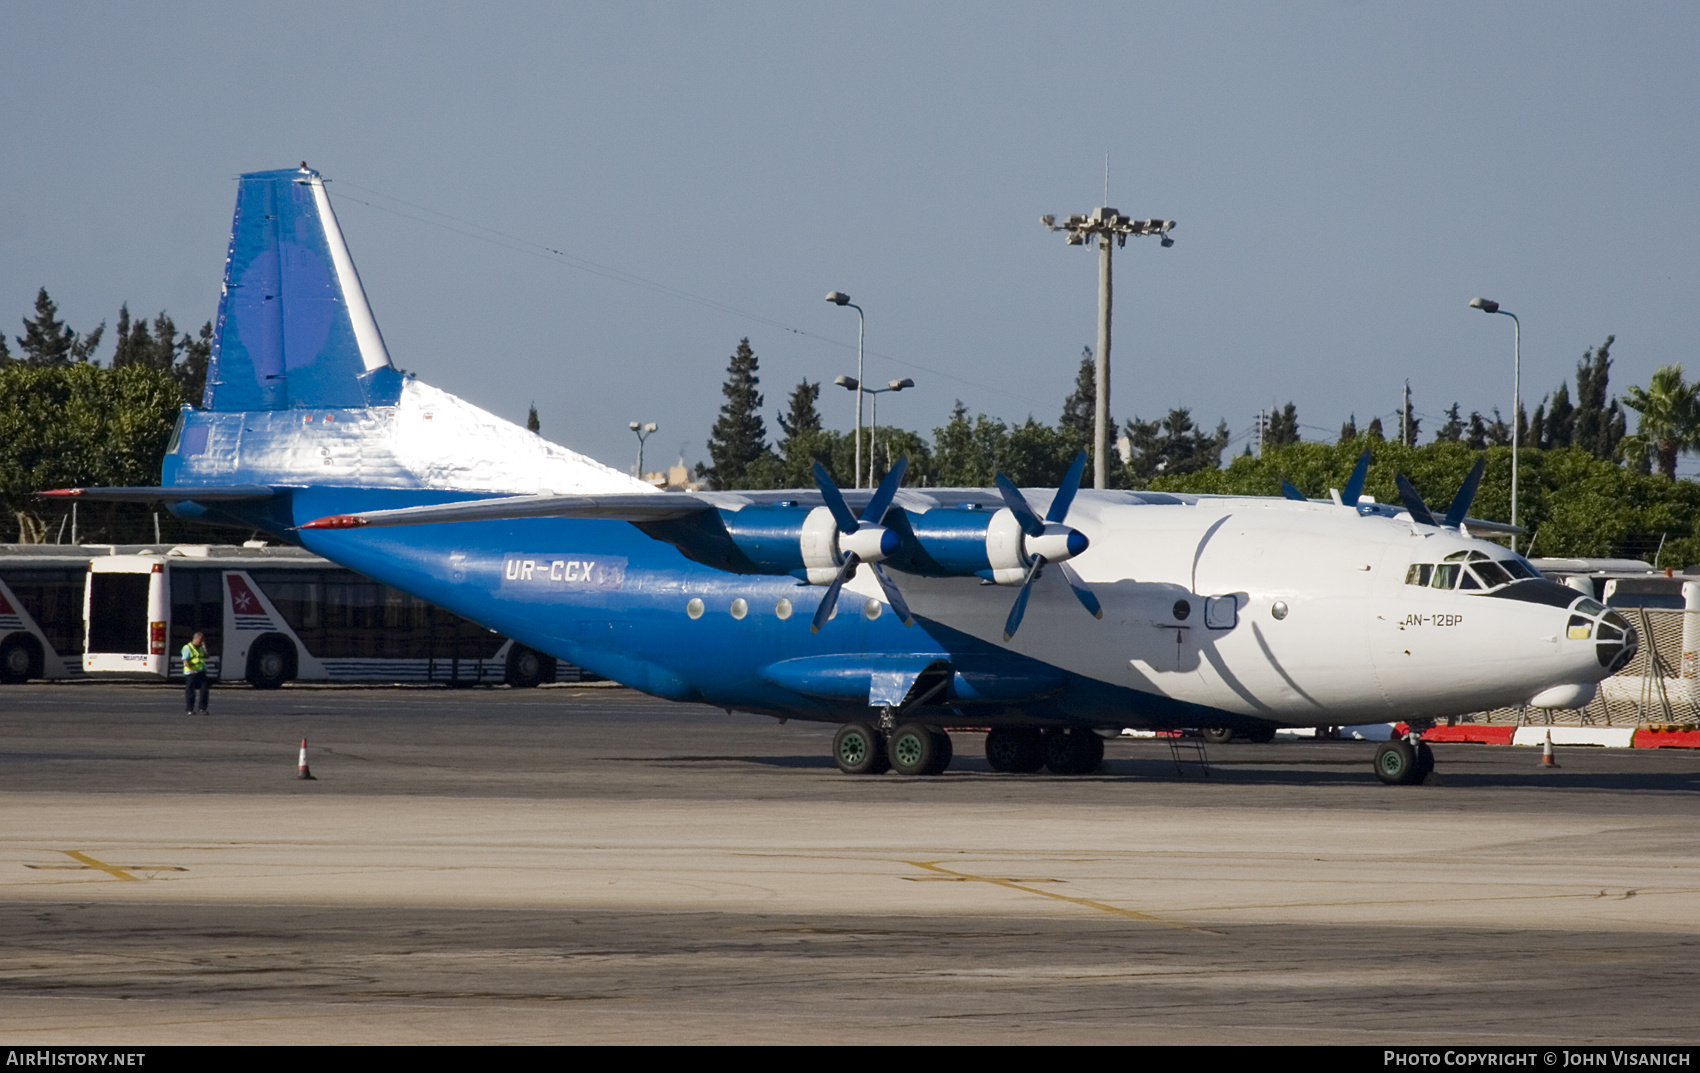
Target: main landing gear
917, 749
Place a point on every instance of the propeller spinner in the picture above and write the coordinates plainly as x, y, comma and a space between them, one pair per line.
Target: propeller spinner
1048, 541
861, 541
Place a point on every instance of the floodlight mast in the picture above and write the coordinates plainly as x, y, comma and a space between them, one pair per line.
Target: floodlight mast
839, 298
1104, 224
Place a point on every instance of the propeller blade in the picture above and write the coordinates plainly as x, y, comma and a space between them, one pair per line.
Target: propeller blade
835, 501
1466, 494
1065, 491
1082, 593
883, 495
1413, 502
1020, 608
1355, 484
1293, 493
830, 600
1017, 504
895, 598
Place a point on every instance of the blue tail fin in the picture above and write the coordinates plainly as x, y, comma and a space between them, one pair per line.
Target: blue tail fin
294, 329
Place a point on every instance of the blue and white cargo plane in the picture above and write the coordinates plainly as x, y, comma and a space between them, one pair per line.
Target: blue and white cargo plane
1046, 615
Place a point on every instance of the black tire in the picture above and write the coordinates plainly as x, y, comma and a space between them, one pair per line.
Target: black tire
271, 663
528, 668
1425, 760
915, 750
1261, 735
943, 752
1218, 735
20, 659
1073, 751
858, 750
1396, 763
1020, 750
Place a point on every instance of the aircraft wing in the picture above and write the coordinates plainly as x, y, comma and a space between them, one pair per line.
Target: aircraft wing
224, 493
639, 507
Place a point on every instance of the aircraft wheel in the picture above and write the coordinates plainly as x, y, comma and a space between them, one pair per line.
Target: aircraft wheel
918, 750
1425, 761
1015, 749
1073, 751
943, 751
527, 668
1262, 735
1218, 735
20, 659
1396, 763
858, 750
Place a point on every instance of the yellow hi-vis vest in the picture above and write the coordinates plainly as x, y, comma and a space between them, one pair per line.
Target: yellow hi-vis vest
194, 659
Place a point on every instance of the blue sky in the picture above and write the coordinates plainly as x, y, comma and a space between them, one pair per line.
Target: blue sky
1346, 176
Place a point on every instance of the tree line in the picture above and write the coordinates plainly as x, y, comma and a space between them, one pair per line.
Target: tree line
66, 420
964, 452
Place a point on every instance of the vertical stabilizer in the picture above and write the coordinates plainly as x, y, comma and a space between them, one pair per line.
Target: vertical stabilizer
294, 327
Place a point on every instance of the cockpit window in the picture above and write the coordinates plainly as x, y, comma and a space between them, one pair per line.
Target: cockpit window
1493, 575
1457, 556
1589, 607
1446, 576
1419, 574
1517, 568
1469, 582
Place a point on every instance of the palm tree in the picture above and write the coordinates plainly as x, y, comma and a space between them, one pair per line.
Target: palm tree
1670, 417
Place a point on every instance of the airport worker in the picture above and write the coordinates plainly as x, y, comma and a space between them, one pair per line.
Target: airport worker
195, 674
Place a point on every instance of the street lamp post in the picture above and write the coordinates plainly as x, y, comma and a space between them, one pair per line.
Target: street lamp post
852, 384
1103, 225
839, 298
1488, 305
643, 432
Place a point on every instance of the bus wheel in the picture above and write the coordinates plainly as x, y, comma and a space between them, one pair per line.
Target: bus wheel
20, 659
271, 663
527, 667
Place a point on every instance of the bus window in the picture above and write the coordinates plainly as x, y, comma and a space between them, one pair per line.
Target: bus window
118, 612
1419, 574
1446, 576
54, 598
197, 606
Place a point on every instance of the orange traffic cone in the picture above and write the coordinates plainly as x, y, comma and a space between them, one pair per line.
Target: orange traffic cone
1546, 753
306, 774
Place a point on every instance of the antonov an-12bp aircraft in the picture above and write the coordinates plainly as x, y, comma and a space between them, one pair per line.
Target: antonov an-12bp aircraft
1046, 615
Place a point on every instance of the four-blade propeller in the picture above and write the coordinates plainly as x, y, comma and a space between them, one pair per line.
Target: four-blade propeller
1048, 541
862, 541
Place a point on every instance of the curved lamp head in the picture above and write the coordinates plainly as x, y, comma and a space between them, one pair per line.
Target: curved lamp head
838, 298
848, 382
1486, 305
899, 385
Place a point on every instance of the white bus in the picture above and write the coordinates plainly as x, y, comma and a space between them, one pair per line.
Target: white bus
270, 615
41, 610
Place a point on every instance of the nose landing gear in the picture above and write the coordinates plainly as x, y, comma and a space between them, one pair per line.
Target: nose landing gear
1399, 762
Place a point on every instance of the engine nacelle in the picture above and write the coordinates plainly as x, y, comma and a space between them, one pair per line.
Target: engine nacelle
968, 541
803, 542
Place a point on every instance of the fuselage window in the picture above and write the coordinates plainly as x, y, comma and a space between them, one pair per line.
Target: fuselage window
1446, 576
1419, 574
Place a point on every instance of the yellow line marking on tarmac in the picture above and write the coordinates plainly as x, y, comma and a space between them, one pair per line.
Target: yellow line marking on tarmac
1103, 907
84, 861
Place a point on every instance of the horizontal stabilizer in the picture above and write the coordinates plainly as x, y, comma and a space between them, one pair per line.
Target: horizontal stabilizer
621, 508
1478, 525
224, 493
